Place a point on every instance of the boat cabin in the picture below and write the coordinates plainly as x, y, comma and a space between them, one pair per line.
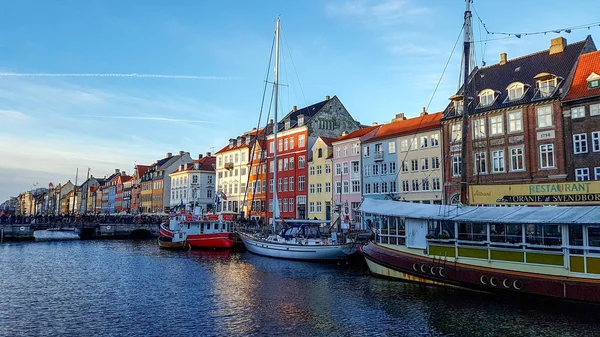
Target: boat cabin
566, 238
308, 231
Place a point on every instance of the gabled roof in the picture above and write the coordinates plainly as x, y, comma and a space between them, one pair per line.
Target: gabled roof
206, 164
358, 133
308, 112
141, 169
588, 63
408, 126
255, 135
523, 69
328, 141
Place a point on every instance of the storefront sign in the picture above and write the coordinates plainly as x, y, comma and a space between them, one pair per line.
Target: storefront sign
571, 193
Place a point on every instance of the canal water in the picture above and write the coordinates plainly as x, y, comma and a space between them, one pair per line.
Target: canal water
129, 288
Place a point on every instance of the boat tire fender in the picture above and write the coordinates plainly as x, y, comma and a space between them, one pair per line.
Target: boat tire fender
441, 272
423, 270
415, 267
517, 284
483, 279
493, 281
506, 283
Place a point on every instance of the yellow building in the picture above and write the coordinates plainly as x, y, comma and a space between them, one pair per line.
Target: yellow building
320, 193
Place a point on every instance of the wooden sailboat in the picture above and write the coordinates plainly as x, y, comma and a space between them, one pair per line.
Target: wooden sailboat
545, 251
302, 240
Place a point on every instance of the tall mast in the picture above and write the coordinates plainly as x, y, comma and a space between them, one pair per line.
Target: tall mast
275, 127
468, 40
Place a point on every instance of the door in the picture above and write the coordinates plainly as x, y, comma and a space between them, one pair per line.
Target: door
327, 210
416, 231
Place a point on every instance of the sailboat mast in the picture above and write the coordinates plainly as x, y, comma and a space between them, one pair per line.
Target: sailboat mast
468, 40
275, 126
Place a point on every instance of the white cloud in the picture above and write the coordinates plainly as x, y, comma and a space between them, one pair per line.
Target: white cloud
12, 116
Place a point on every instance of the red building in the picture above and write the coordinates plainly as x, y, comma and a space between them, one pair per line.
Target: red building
297, 132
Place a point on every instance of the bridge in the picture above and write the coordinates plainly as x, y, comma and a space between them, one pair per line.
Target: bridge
24, 231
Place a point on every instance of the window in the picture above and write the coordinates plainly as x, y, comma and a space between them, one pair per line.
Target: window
478, 128
594, 109
375, 169
311, 188
345, 150
486, 98
580, 143
517, 159
546, 235
285, 205
311, 207
582, 174
596, 173
355, 149
435, 184
393, 168
515, 121
376, 188
355, 167
285, 184
547, 156
424, 164
285, 164
424, 140
544, 116
300, 140
578, 112
292, 142
279, 165
496, 125
291, 164
345, 167
291, 188
458, 107
271, 185
498, 161
415, 185
546, 87
480, 163
366, 151
291, 204
279, 184
319, 207
456, 133
404, 145
311, 171
319, 188
415, 165
456, 163
435, 162
384, 187
301, 183
337, 152
367, 188
338, 169
435, 140
472, 231
515, 91
327, 168
392, 147
425, 184
285, 144
355, 186
384, 168
338, 187
404, 166
327, 187
346, 187
596, 141
194, 179
405, 186
319, 169
301, 162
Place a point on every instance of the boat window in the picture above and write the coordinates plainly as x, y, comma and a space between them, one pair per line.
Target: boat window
441, 229
547, 235
576, 238
594, 238
293, 231
216, 226
506, 233
472, 231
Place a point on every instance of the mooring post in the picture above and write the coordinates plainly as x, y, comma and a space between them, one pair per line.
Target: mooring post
2, 235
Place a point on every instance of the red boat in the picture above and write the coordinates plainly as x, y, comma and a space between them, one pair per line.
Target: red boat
209, 231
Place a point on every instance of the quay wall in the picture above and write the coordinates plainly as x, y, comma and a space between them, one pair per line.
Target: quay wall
24, 232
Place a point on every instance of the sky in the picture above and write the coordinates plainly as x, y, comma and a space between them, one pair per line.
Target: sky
380, 57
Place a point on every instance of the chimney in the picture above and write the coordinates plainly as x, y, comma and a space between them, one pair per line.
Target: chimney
271, 121
327, 98
502, 58
117, 171
123, 173
424, 112
399, 117
294, 108
200, 156
557, 45
344, 133
181, 153
374, 123
208, 154
169, 155
231, 140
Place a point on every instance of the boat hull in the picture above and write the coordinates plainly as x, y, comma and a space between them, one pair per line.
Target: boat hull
167, 243
390, 263
297, 252
55, 234
223, 240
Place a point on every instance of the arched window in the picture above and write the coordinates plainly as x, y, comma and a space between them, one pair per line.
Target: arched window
320, 153
515, 91
486, 98
455, 199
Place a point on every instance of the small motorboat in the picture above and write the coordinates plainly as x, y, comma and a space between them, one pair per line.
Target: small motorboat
177, 241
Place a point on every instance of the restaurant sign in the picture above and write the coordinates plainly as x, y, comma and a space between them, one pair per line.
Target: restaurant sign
570, 193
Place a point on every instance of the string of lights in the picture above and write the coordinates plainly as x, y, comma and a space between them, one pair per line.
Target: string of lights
133, 75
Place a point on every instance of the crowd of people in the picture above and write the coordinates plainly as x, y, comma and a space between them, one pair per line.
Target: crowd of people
81, 219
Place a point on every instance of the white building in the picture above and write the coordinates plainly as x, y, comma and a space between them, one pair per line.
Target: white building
193, 184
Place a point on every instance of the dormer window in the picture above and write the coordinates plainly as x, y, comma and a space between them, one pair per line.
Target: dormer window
546, 85
300, 120
515, 91
593, 81
457, 101
287, 124
486, 98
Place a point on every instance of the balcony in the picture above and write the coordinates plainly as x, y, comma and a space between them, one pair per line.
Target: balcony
378, 155
229, 166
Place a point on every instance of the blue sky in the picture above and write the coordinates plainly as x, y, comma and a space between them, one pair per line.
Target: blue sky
379, 57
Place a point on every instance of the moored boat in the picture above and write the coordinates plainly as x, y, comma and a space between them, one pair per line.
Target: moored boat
56, 234
209, 231
174, 242
546, 251
301, 241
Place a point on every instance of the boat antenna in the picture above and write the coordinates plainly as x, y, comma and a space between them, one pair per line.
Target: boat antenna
275, 126
467, 53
